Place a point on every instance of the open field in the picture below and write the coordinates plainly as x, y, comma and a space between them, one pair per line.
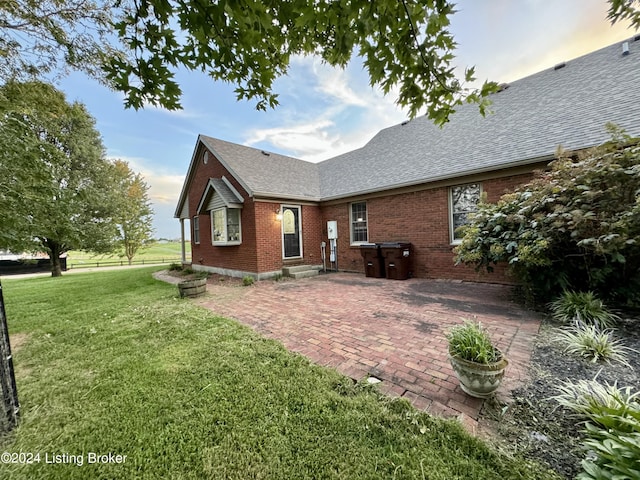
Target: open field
115, 363
165, 252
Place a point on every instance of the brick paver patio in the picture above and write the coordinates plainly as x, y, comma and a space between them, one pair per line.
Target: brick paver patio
392, 330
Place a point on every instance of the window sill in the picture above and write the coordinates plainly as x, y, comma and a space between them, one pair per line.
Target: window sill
226, 244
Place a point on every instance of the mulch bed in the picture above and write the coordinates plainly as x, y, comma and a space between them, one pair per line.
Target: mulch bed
534, 424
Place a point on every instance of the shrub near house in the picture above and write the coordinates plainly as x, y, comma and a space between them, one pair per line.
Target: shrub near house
575, 226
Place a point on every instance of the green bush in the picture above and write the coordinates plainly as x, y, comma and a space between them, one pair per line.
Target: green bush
612, 429
589, 342
583, 307
470, 341
573, 227
247, 280
617, 452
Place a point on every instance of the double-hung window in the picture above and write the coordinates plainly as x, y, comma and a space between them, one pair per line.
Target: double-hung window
225, 226
196, 229
358, 220
463, 201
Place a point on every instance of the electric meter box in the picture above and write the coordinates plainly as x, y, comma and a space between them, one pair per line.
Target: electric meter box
332, 229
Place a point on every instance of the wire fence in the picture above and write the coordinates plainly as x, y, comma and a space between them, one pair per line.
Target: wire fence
10, 405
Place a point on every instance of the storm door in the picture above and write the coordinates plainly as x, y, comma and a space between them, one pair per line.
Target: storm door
291, 232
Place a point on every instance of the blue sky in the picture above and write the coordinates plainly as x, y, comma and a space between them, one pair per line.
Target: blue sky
323, 111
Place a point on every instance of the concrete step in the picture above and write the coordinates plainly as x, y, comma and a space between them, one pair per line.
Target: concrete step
301, 271
288, 271
304, 274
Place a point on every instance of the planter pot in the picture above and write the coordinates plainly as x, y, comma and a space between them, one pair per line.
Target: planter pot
192, 288
477, 379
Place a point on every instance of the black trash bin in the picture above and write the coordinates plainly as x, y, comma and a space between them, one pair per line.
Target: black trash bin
373, 260
397, 259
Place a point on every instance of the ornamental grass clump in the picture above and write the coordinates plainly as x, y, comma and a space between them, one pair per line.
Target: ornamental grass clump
593, 344
471, 341
592, 399
584, 307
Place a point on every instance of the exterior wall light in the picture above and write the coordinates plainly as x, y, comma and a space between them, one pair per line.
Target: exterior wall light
278, 214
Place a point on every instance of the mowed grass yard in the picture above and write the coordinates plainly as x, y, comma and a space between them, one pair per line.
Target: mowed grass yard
114, 363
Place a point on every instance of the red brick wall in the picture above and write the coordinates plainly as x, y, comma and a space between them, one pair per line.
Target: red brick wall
269, 235
237, 257
312, 234
261, 247
421, 218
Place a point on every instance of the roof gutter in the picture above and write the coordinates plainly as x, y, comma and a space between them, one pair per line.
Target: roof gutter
280, 196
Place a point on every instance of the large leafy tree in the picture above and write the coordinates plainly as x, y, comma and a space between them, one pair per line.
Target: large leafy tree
133, 215
56, 187
47, 38
405, 44
576, 226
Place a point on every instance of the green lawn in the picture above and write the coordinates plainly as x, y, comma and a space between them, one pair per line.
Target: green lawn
114, 363
168, 251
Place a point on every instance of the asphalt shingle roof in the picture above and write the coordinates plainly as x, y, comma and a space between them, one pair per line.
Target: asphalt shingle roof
568, 106
267, 173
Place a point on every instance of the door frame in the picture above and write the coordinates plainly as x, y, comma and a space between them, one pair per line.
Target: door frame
300, 242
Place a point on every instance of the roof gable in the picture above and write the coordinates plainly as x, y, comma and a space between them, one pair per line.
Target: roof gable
267, 174
220, 191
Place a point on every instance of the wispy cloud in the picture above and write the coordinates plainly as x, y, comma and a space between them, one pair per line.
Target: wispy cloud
163, 187
339, 114
336, 84
305, 139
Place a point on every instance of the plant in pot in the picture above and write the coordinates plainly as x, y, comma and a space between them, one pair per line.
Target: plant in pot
478, 364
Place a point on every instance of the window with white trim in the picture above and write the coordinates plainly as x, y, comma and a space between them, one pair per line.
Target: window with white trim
358, 220
463, 201
196, 229
225, 226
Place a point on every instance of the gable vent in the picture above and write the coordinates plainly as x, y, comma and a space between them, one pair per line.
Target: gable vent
560, 65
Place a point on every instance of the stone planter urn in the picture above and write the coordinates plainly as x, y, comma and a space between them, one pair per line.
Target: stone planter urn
477, 362
192, 288
479, 380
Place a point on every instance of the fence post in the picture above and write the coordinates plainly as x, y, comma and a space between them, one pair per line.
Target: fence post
11, 406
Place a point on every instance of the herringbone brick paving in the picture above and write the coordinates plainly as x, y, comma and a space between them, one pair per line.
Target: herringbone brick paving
393, 330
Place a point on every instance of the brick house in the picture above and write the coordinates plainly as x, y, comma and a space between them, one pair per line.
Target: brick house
253, 212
